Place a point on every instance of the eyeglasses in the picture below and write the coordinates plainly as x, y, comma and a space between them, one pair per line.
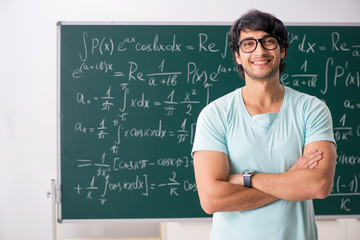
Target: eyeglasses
249, 45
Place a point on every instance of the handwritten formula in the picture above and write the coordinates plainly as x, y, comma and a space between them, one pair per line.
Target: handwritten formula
129, 101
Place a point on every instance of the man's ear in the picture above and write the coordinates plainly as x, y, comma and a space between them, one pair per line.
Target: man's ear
237, 58
282, 53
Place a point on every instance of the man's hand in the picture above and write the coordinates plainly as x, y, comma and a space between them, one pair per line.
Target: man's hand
308, 161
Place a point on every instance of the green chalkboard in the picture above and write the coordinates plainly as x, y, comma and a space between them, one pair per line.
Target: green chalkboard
129, 97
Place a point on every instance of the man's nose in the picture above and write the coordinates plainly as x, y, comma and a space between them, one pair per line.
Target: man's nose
260, 48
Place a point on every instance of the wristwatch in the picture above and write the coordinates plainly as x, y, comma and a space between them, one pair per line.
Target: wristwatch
247, 173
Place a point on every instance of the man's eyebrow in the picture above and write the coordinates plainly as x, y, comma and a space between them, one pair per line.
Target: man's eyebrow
252, 38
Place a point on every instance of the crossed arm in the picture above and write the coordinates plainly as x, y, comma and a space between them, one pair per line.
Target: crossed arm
309, 178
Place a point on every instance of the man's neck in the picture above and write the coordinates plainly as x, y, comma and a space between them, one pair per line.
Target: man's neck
263, 96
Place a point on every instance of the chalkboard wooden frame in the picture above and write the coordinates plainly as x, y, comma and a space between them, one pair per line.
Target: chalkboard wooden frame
60, 24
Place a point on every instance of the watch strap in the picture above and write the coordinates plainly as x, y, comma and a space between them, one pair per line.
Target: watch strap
247, 180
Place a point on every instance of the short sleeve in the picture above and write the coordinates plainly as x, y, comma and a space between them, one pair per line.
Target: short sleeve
210, 131
319, 125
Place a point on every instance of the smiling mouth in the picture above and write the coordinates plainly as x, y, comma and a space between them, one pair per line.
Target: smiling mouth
260, 62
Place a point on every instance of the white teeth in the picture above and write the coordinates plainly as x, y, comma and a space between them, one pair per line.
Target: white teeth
262, 62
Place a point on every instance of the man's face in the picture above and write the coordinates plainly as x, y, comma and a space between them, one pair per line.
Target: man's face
261, 64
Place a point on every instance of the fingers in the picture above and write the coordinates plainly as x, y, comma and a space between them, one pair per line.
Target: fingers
312, 157
313, 165
309, 160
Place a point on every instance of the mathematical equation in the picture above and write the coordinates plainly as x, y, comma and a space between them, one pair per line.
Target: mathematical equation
129, 98
102, 183
345, 189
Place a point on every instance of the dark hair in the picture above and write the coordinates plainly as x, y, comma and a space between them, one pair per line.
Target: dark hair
259, 21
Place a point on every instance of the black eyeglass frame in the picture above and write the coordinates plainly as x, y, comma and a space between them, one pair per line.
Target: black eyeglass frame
257, 41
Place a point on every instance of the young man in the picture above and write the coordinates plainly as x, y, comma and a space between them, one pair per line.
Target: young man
263, 152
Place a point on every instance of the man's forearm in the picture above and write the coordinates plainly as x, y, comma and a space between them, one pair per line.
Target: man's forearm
298, 185
301, 184
226, 197
221, 192
292, 186
217, 192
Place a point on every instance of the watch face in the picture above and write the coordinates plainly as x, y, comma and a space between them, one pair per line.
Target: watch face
248, 171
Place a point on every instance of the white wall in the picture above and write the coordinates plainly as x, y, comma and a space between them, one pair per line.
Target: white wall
28, 94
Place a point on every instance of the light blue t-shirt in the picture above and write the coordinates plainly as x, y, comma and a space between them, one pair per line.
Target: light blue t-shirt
268, 143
